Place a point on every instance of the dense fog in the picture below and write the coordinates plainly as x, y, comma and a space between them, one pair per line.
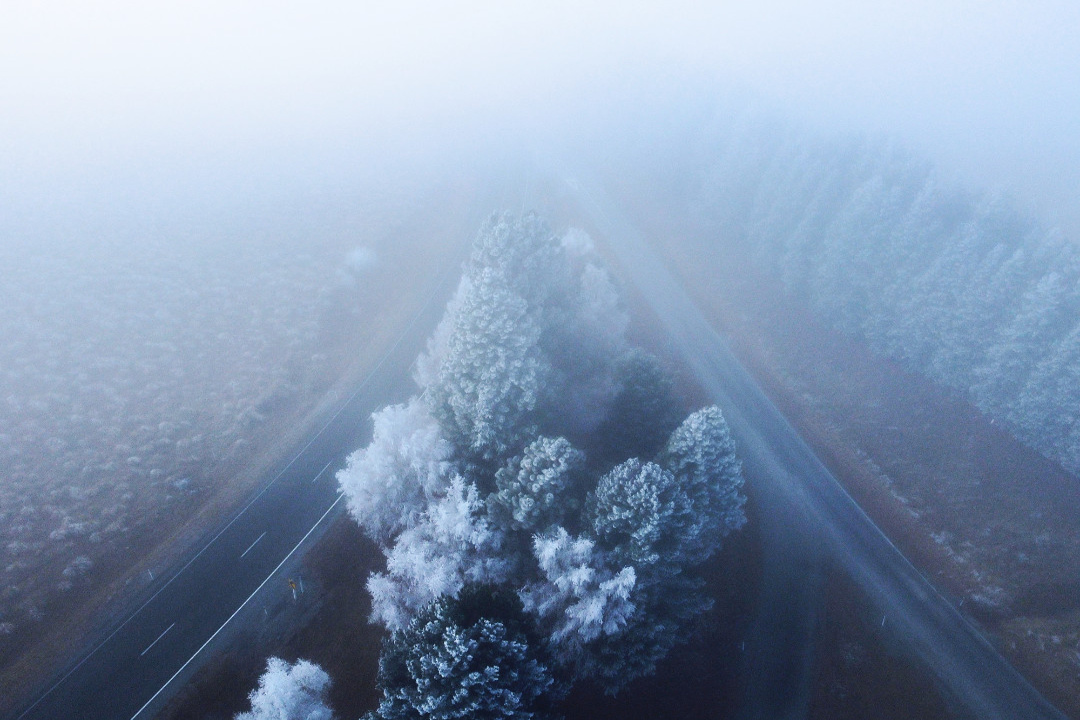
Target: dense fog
207, 212
988, 91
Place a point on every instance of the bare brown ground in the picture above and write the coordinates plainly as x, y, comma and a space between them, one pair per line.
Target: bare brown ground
856, 674
995, 525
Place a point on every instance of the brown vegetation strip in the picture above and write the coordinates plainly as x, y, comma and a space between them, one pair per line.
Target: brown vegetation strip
991, 522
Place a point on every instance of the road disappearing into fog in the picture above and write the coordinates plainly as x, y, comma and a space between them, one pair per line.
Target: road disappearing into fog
808, 519
240, 568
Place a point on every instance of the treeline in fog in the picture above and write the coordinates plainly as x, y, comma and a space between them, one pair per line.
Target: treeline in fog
961, 287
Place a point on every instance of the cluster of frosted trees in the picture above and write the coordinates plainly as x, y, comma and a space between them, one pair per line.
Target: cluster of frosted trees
541, 508
961, 288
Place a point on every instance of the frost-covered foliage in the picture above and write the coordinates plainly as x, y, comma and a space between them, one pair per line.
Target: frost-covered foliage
701, 454
641, 511
663, 612
451, 544
577, 597
290, 692
527, 343
390, 482
664, 521
532, 488
489, 382
530, 462
963, 288
473, 656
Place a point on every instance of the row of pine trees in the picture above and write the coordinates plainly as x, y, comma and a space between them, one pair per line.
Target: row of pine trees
963, 288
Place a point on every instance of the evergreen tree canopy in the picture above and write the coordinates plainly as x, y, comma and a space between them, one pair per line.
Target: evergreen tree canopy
489, 382
290, 692
578, 598
473, 656
390, 482
639, 510
478, 480
532, 488
701, 455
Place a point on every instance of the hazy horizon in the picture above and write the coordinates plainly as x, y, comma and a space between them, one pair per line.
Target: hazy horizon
255, 96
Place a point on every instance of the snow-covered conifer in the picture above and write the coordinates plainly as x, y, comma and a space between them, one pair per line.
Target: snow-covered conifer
701, 456
637, 511
487, 486
532, 488
474, 656
290, 692
492, 374
389, 483
525, 254
449, 545
577, 598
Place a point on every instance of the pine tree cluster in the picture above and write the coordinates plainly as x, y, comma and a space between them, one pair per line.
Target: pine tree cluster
542, 510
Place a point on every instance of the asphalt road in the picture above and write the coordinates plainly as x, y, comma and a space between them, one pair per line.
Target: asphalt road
809, 519
240, 565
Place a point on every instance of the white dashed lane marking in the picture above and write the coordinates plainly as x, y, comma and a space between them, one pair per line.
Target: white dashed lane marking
322, 471
253, 545
156, 641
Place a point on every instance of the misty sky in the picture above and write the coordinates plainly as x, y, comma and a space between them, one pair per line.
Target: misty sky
989, 90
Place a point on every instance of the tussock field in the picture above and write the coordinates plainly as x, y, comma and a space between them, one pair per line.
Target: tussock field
144, 390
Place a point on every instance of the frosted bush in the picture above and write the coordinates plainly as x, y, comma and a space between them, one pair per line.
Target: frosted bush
290, 692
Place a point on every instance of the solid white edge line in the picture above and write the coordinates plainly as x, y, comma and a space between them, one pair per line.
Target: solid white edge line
252, 545
156, 641
242, 606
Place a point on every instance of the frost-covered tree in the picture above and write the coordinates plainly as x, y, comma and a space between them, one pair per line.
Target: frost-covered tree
664, 520
489, 382
290, 692
450, 545
533, 490
958, 286
639, 513
524, 253
389, 483
530, 342
701, 456
475, 656
577, 598
662, 616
